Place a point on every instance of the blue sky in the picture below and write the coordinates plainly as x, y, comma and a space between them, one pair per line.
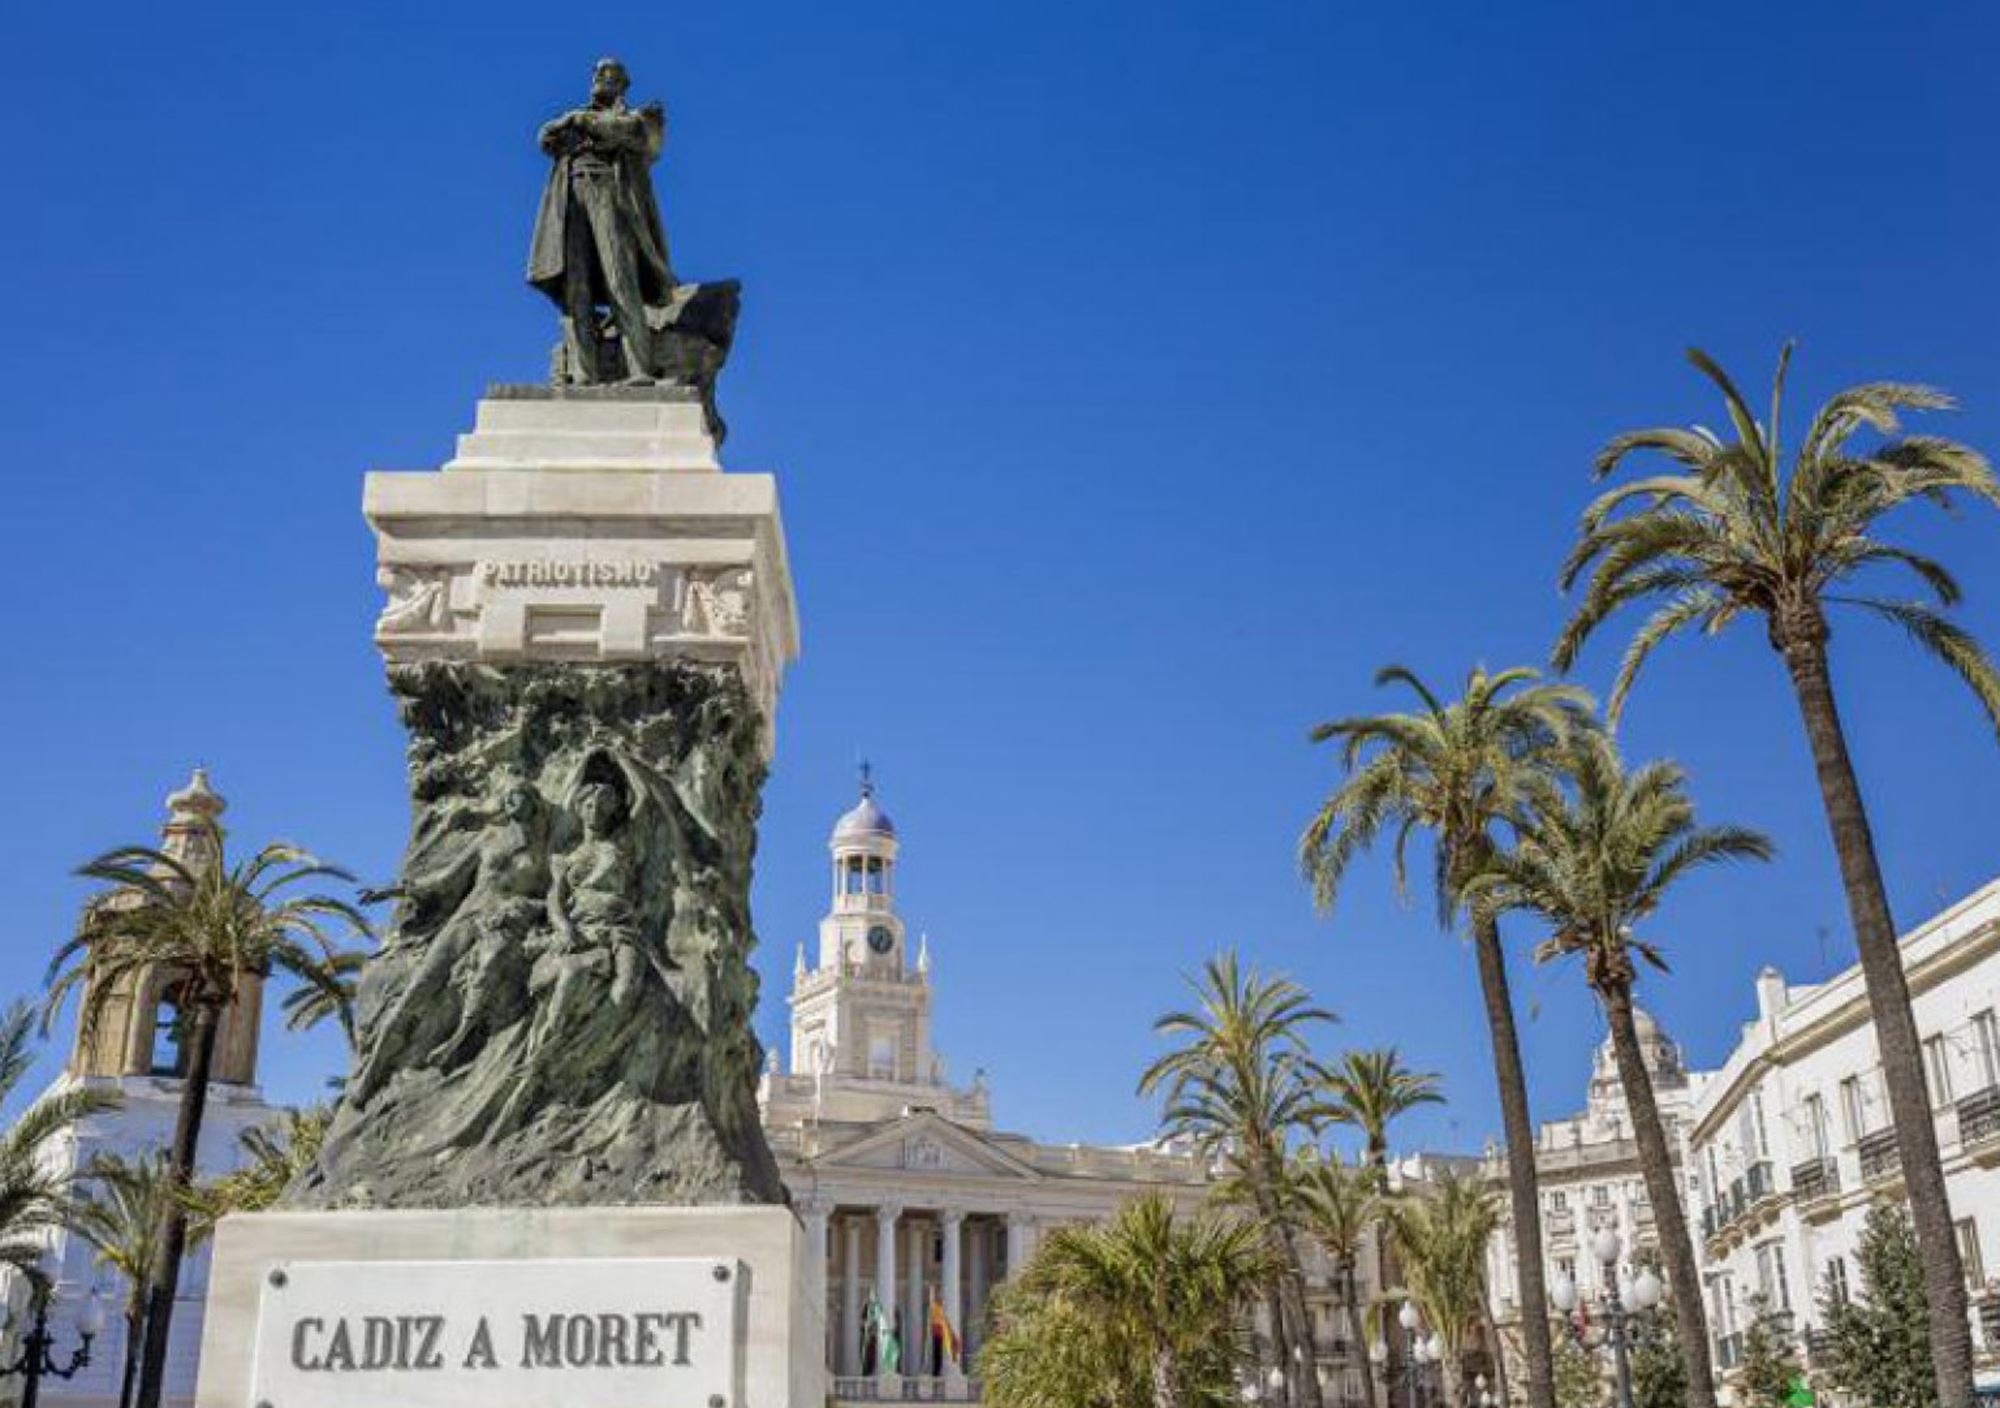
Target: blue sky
1139, 380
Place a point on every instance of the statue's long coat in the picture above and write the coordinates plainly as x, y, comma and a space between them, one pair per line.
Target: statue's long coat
638, 223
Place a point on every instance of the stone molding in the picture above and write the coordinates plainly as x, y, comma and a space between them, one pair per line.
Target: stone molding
538, 544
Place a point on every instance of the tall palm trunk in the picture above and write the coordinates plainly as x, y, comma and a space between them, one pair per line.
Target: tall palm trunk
1521, 1187
135, 1321
1378, 1160
1350, 1292
1804, 650
1656, 1164
1451, 1378
1498, 1350
1294, 1343
1166, 1393
165, 1273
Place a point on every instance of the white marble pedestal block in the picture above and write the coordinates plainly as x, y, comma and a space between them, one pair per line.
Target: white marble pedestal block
513, 1308
573, 527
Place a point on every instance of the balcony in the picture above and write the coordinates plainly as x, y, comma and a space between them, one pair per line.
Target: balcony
901, 1390
1816, 1183
1759, 1183
1979, 1121
1986, 1309
1881, 1161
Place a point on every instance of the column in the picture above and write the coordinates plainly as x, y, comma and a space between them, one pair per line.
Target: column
979, 1279
814, 1212
885, 1262
916, 1322
1020, 1227
952, 1221
849, 1358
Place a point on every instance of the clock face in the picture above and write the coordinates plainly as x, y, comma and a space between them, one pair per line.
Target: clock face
880, 939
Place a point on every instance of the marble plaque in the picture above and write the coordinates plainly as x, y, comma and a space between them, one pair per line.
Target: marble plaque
595, 1333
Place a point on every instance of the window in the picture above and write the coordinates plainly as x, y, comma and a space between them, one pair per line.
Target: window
1853, 1109
1772, 1282
1937, 1071
882, 1057
1812, 1114
1600, 1195
853, 877
1558, 1201
1968, 1254
170, 1054
1835, 1279
1986, 1032
1566, 1269
1751, 1135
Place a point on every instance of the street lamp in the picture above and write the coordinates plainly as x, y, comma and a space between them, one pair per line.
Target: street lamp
1619, 1328
1413, 1369
37, 1356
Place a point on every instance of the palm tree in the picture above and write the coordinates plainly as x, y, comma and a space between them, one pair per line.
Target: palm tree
35, 1197
1458, 771
306, 1007
210, 925
1732, 535
1238, 1086
120, 1217
1339, 1206
1368, 1089
1442, 1236
1597, 859
1146, 1311
274, 1156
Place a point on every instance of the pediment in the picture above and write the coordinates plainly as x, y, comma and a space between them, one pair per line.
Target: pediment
926, 1144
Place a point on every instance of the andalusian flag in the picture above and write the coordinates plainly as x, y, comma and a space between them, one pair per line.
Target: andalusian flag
881, 1350
945, 1337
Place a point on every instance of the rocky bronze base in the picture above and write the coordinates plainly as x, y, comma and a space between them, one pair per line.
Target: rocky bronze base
692, 335
560, 1014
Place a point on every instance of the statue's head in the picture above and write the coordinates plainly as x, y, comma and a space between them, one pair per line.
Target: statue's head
609, 81
518, 798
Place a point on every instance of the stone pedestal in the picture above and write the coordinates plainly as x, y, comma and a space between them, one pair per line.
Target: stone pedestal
546, 1184
581, 526
727, 1313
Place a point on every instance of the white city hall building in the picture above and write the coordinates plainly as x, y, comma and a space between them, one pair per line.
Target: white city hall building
912, 1195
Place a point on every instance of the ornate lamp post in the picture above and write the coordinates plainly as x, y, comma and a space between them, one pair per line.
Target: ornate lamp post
37, 1354
1619, 1328
1407, 1318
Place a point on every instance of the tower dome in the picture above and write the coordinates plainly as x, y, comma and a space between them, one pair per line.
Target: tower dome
866, 817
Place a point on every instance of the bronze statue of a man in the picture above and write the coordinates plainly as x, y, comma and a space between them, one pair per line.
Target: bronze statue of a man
598, 238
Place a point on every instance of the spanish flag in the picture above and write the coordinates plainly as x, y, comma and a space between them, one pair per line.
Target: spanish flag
945, 1337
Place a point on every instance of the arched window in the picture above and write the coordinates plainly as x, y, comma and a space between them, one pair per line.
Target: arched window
170, 1048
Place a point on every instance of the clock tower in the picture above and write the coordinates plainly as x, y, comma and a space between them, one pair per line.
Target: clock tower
861, 1013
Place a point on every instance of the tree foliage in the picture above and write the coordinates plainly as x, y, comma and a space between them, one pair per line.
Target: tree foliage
274, 1156
35, 1198
1730, 533
1241, 1083
1442, 1235
1770, 1365
1147, 1311
1877, 1342
1579, 1376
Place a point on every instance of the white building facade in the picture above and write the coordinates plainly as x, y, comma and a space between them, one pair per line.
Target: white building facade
1587, 1168
1792, 1142
1783, 1150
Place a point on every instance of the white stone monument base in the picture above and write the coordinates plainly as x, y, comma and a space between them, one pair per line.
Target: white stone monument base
513, 1308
